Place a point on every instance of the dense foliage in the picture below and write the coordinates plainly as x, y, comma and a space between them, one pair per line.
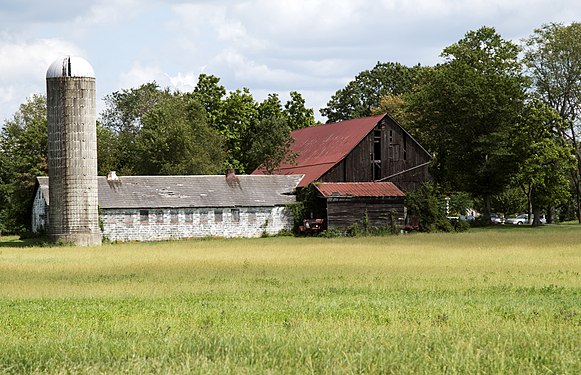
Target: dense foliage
465, 109
364, 93
23, 148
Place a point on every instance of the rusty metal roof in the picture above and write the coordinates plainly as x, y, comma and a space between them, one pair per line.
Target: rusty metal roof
192, 191
359, 189
321, 147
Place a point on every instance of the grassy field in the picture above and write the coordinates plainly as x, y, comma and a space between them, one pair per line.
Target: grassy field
502, 300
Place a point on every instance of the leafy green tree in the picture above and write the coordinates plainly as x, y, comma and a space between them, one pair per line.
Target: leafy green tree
257, 135
176, 139
466, 107
363, 94
240, 111
210, 94
268, 139
395, 106
23, 153
107, 146
296, 114
553, 58
123, 117
545, 158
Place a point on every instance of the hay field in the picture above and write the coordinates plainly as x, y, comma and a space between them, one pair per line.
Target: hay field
504, 300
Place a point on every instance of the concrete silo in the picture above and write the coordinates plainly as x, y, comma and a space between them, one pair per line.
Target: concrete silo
72, 152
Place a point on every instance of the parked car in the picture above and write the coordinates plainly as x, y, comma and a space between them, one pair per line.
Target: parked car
523, 219
496, 219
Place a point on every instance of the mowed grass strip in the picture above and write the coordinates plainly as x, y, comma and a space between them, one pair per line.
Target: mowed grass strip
490, 301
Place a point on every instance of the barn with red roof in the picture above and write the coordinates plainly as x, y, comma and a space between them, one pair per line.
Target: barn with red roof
366, 149
360, 166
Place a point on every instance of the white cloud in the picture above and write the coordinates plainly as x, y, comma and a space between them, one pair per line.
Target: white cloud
23, 65
141, 73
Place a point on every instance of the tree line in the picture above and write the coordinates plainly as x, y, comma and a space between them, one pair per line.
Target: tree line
500, 119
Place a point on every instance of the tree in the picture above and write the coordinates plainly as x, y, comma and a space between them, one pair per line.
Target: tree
361, 95
176, 139
210, 94
296, 114
395, 105
123, 116
239, 113
23, 153
545, 158
256, 134
466, 107
553, 58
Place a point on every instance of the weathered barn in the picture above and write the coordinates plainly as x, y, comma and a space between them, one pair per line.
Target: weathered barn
362, 152
152, 208
366, 149
375, 202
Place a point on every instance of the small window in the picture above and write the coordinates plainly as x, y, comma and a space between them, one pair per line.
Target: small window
235, 215
203, 217
189, 216
144, 217
252, 218
217, 216
173, 216
159, 216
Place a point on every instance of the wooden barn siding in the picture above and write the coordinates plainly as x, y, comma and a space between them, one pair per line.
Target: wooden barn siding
342, 212
410, 181
356, 166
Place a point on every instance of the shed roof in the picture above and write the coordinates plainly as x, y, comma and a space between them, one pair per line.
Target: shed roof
321, 147
192, 191
359, 189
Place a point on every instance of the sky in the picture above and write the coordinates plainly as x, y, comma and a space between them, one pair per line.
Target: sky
314, 47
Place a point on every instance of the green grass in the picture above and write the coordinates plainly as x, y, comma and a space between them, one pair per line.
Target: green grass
500, 300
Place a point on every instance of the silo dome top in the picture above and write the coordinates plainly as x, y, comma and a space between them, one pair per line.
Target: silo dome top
70, 66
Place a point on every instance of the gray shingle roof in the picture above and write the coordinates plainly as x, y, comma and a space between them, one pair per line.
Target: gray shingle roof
193, 191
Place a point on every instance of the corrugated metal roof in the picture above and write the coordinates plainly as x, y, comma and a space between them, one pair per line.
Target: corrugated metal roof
359, 189
193, 191
321, 147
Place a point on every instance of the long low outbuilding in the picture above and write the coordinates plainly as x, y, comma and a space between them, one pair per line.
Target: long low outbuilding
154, 208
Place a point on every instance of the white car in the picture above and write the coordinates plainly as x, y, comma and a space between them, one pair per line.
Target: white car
523, 219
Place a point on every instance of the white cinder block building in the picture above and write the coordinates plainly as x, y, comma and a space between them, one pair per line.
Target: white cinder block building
153, 208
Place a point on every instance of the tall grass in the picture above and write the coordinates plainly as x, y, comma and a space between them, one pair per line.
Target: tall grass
488, 301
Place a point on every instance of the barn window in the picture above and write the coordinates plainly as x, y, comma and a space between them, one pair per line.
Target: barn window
377, 145
173, 217
159, 216
235, 215
203, 217
252, 218
217, 216
144, 217
189, 216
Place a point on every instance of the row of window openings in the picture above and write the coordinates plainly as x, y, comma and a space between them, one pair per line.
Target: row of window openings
189, 216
